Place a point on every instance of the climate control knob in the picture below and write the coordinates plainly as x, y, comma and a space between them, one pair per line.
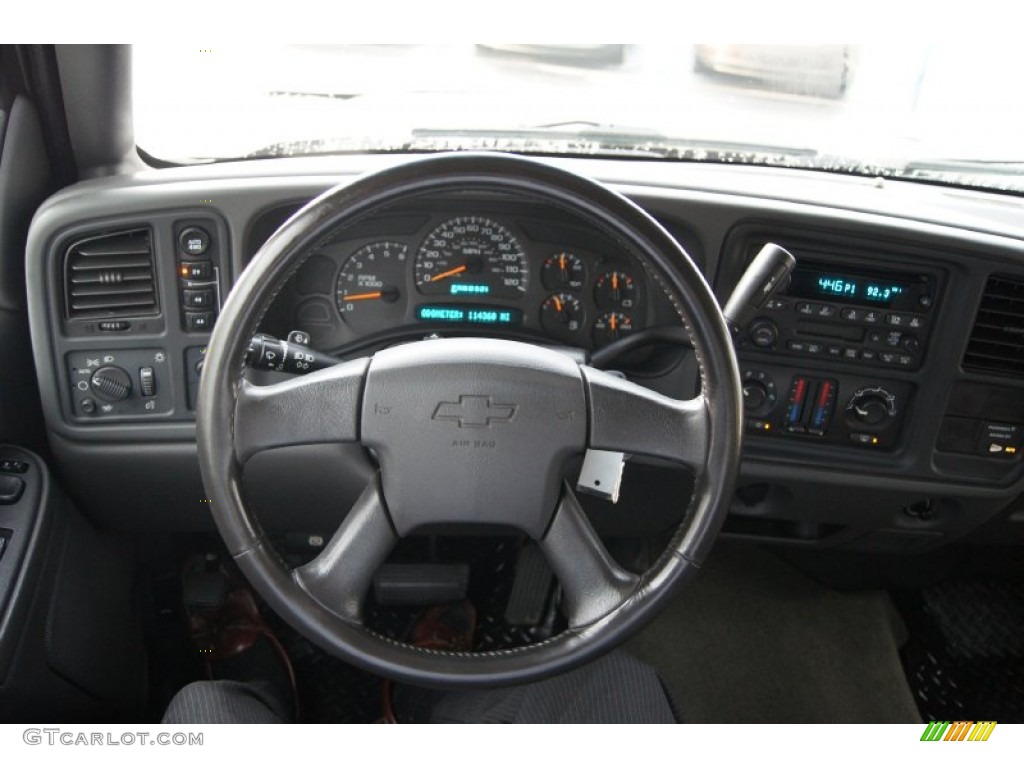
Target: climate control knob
111, 383
754, 396
759, 394
871, 406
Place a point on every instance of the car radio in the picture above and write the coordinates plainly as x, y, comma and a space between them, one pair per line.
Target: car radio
848, 313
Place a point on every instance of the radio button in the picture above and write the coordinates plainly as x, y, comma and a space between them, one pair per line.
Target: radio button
814, 348
776, 304
852, 314
905, 360
828, 310
889, 358
915, 322
851, 353
807, 308
894, 338
835, 350
868, 354
872, 317
796, 346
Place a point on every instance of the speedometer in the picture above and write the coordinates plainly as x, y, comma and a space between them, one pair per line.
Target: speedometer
472, 256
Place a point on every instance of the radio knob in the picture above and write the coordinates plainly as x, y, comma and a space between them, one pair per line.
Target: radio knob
763, 333
871, 407
112, 383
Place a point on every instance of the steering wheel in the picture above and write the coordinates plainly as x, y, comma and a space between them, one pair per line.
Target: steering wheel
468, 430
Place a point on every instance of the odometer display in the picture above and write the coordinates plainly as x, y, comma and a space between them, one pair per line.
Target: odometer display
468, 314
472, 256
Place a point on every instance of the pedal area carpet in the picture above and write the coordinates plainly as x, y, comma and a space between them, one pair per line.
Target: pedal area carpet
752, 640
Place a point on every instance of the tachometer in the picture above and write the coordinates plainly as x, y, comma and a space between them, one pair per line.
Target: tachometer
370, 285
472, 256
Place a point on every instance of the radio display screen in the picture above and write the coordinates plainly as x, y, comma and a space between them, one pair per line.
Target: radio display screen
832, 285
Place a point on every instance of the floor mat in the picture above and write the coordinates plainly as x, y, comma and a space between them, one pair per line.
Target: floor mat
965, 659
752, 640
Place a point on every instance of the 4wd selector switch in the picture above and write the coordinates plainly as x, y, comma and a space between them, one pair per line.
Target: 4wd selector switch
111, 383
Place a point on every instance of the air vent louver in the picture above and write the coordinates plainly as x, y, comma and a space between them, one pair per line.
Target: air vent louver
997, 339
110, 275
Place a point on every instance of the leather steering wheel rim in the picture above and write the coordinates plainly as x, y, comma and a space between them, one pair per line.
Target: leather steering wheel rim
613, 604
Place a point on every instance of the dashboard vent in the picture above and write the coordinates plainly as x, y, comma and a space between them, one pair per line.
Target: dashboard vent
997, 339
110, 275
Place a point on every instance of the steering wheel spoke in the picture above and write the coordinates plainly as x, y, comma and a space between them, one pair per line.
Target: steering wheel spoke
593, 583
320, 407
340, 575
630, 418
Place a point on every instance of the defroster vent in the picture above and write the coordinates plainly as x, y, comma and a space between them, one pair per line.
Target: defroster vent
110, 275
997, 339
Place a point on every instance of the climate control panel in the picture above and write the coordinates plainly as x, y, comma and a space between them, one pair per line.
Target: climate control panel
833, 408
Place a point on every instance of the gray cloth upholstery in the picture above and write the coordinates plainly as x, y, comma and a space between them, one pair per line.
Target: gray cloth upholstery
613, 689
216, 702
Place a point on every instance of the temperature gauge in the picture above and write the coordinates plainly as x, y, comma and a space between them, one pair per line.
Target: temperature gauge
612, 326
563, 271
561, 314
615, 290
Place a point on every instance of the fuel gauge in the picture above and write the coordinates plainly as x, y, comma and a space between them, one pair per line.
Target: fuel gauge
561, 314
612, 326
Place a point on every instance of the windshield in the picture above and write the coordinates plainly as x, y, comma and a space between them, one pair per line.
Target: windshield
947, 114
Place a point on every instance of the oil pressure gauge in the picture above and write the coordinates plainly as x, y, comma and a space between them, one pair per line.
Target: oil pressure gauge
612, 326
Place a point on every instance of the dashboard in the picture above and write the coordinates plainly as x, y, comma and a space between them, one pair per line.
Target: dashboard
883, 388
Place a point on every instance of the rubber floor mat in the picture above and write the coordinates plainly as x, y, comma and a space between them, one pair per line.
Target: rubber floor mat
965, 658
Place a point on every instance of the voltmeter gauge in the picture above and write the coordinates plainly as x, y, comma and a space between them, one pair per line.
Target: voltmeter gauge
563, 271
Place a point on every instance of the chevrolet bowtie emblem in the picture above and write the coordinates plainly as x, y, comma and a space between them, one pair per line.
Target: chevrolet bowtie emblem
475, 411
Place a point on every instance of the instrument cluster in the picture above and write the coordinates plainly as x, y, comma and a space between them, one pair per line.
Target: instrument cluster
484, 271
